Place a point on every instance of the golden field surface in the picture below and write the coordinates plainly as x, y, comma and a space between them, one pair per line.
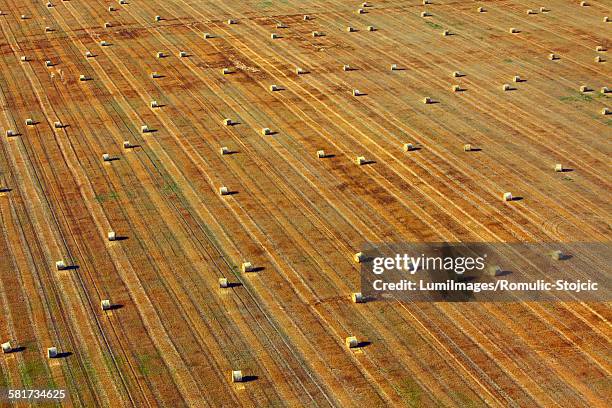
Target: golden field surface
173, 336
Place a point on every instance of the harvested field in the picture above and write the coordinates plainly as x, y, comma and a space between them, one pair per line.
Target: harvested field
172, 336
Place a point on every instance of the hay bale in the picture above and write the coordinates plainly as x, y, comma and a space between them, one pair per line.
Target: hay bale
408, 147
23, 58
360, 160
507, 87
457, 88
467, 147
48, 30
316, 34
112, 236
247, 267
105, 304
516, 78
155, 75
223, 283
300, 71
427, 100
236, 376
458, 74
425, 14
605, 90
446, 33
360, 11
321, 154
584, 89
182, 54
223, 190
104, 43
558, 167
274, 36
61, 265
158, 19
394, 67
350, 29
371, 28
266, 131
356, 92
481, 10
226, 71
228, 122
557, 255
600, 48
52, 352
106, 157
306, 18
605, 111
58, 125
6, 347
144, 129
29, 122
111, 8
127, 144
553, 57
224, 150
606, 19
83, 78
584, 4
507, 197
599, 58
494, 270
154, 104
359, 257
88, 54
160, 54
543, 10
351, 342
346, 67
357, 297
107, 25
208, 35
11, 133
231, 21
531, 11
514, 30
